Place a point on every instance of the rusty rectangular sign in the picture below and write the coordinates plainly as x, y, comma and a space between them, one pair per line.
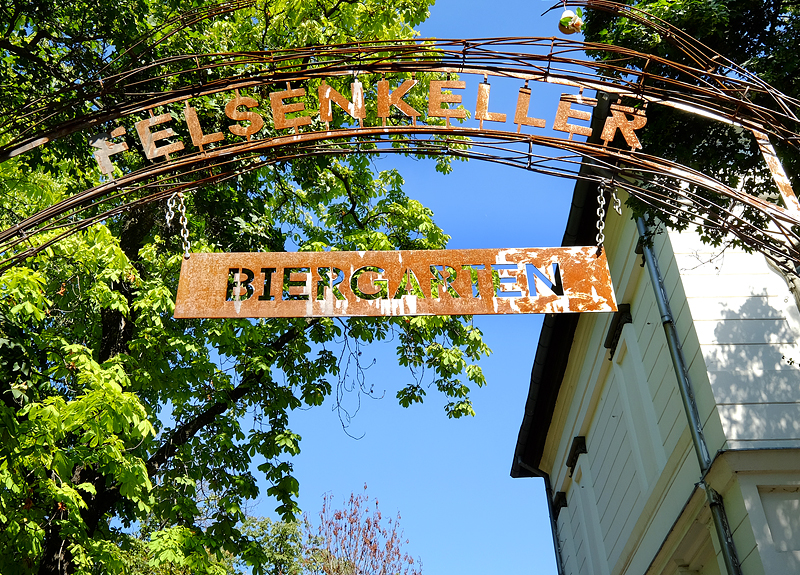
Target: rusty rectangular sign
394, 283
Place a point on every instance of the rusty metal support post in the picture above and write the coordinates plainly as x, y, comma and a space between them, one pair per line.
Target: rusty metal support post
681, 368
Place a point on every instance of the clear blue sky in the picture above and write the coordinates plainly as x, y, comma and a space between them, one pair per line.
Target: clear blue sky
449, 479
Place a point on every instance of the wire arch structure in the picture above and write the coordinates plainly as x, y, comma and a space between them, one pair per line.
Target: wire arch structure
711, 86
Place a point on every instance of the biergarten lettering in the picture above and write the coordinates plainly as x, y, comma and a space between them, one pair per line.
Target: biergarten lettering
391, 283
287, 109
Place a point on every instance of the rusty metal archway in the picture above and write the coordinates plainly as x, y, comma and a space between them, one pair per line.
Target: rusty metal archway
712, 87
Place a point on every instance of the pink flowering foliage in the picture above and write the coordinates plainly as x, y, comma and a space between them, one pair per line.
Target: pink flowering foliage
356, 540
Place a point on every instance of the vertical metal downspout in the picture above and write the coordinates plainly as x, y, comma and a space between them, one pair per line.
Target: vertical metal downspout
548, 488
690, 406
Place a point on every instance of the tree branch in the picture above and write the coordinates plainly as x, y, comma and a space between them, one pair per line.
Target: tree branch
348, 188
12, 21
335, 7
185, 432
25, 54
107, 496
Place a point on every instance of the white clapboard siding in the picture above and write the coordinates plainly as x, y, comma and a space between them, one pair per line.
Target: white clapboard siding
622, 477
570, 537
746, 322
757, 385
626, 498
741, 307
624, 474
656, 360
740, 333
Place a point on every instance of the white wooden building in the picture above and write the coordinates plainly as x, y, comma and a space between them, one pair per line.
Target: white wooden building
605, 423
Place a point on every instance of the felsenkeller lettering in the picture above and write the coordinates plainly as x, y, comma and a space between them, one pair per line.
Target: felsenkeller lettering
286, 110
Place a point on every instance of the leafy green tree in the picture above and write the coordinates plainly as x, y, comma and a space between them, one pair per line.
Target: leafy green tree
113, 415
354, 539
277, 548
760, 36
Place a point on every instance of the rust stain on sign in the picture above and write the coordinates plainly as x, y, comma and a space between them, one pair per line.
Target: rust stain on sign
391, 283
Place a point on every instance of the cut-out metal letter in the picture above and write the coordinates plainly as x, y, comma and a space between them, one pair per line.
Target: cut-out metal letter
521, 117
387, 99
105, 149
436, 98
565, 112
199, 139
233, 112
618, 120
280, 109
327, 96
149, 138
482, 109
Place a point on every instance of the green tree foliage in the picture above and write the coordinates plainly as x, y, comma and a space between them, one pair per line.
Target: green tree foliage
355, 539
273, 548
114, 415
760, 36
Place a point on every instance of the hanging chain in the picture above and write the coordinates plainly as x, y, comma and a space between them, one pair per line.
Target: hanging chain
617, 203
184, 226
183, 221
170, 209
601, 214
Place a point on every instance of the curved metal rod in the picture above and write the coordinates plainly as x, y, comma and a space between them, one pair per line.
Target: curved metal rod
234, 151
649, 179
